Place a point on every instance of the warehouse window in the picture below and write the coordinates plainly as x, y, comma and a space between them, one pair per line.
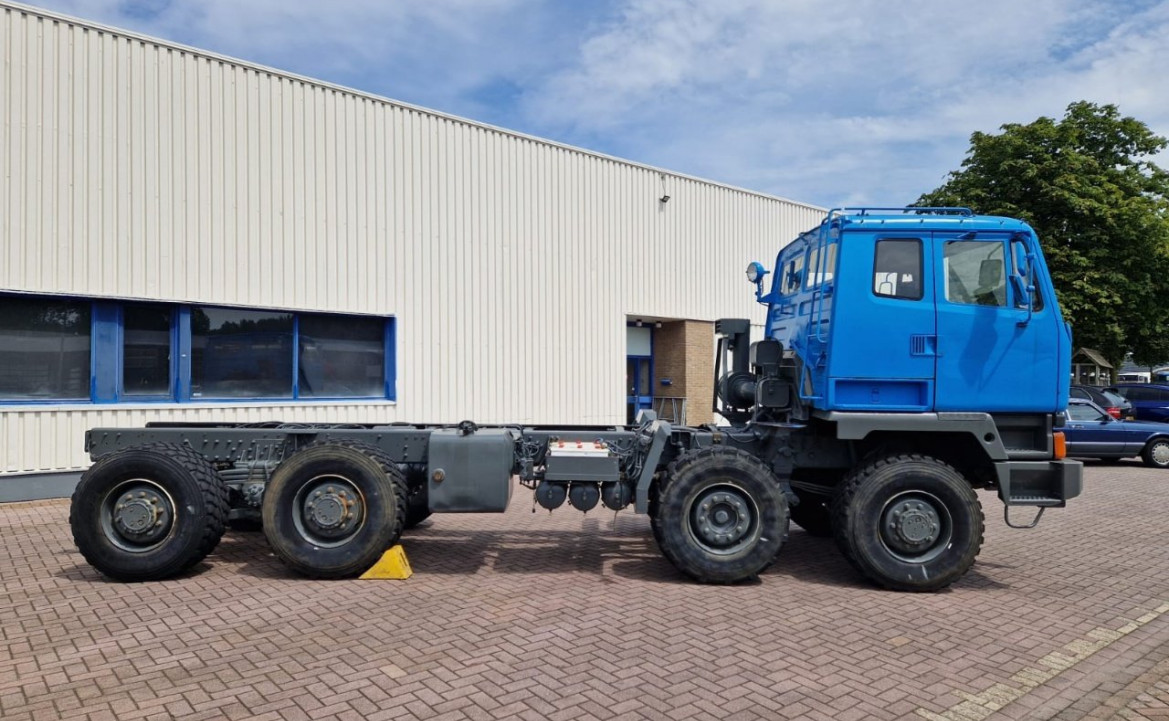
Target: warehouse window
341, 357
241, 353
104, 351
146, 350
44, 349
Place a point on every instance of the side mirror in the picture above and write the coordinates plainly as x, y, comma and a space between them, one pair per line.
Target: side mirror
1023, 292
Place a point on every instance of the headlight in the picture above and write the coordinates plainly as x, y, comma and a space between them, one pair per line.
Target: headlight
755, 272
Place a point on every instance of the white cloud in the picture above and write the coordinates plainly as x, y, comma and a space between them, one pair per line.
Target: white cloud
848, 101
854, 101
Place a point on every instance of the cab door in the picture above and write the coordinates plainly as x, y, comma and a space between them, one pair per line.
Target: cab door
993, 353
883, 347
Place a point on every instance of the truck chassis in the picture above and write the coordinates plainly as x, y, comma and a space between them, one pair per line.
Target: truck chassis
333, 498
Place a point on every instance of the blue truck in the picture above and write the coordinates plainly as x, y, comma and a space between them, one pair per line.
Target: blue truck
909, 357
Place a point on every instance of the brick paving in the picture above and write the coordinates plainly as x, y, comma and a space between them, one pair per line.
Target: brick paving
536, 616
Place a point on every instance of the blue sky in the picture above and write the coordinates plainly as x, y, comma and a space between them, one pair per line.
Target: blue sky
831, 103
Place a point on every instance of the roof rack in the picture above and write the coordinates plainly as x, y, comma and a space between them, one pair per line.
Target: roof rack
906, 210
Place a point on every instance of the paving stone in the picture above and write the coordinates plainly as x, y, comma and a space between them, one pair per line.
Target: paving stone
569, 616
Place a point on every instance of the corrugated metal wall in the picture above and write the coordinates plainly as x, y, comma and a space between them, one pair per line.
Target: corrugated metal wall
132, 168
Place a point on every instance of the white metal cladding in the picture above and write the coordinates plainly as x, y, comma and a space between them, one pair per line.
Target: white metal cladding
133, 168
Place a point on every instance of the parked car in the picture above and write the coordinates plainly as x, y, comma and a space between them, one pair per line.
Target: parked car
1115, 404
1092, 433
1150, 401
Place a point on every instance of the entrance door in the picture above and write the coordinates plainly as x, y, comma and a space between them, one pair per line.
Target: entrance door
639, 373
639, 385
992, 354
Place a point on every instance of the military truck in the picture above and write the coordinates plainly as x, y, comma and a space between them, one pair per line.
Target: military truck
909, 357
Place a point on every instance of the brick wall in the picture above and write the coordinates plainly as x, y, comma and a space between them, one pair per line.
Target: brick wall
684, 354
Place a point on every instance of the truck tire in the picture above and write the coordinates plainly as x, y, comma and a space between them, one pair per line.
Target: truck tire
333, 508
909, 522
148, 512
721, 515
1156, 453
813, 514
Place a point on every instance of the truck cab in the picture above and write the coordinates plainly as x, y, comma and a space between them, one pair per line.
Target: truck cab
926, 311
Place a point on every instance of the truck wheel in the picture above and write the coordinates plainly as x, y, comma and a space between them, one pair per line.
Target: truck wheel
908, 522
721, 516
1156, 453
812, 514
148, 512
333, 508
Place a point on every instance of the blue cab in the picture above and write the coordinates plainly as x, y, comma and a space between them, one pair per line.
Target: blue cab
1092, 433
920, 310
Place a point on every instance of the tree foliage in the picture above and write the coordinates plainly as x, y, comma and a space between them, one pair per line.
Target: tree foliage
1088, 186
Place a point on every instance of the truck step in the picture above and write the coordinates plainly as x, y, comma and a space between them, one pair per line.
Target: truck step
1034, 501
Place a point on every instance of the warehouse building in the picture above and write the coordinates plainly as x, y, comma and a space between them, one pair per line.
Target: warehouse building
188, 237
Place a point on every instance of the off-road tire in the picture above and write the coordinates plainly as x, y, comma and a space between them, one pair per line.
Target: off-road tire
1153, 449
813, 514
861, 518
372, 473
199, 501
735, 484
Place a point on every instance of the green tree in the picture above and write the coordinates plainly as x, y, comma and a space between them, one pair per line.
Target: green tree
1088, 186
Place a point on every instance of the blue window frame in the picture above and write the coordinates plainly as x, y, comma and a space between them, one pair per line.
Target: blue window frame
55, 350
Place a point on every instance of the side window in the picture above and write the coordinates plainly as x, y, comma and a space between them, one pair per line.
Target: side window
897, 269
1079, 393
1019, 249
1136, 394
821, 271
1080, 412
793, 275
974, 273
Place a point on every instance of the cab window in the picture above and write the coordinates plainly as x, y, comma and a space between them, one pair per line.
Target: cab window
820, 272
974, 273
793, 275
897, 269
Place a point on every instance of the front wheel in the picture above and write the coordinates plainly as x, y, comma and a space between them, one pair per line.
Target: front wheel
333, 508
721, 515
1156, 453
908, 522
148, 512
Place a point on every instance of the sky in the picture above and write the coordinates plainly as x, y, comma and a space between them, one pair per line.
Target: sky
829, 102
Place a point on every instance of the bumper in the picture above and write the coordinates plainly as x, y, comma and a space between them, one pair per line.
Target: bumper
1039, 483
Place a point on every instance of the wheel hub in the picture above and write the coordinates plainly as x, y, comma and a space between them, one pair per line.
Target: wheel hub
138, 515
1161, 453
722, 519
911, 525
331, 510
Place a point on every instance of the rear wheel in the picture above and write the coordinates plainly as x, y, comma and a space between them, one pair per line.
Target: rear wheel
908, 522
333, 508
148, 512
720, 516
1156, 453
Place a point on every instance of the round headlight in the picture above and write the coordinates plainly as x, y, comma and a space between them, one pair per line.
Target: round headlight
755, 272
